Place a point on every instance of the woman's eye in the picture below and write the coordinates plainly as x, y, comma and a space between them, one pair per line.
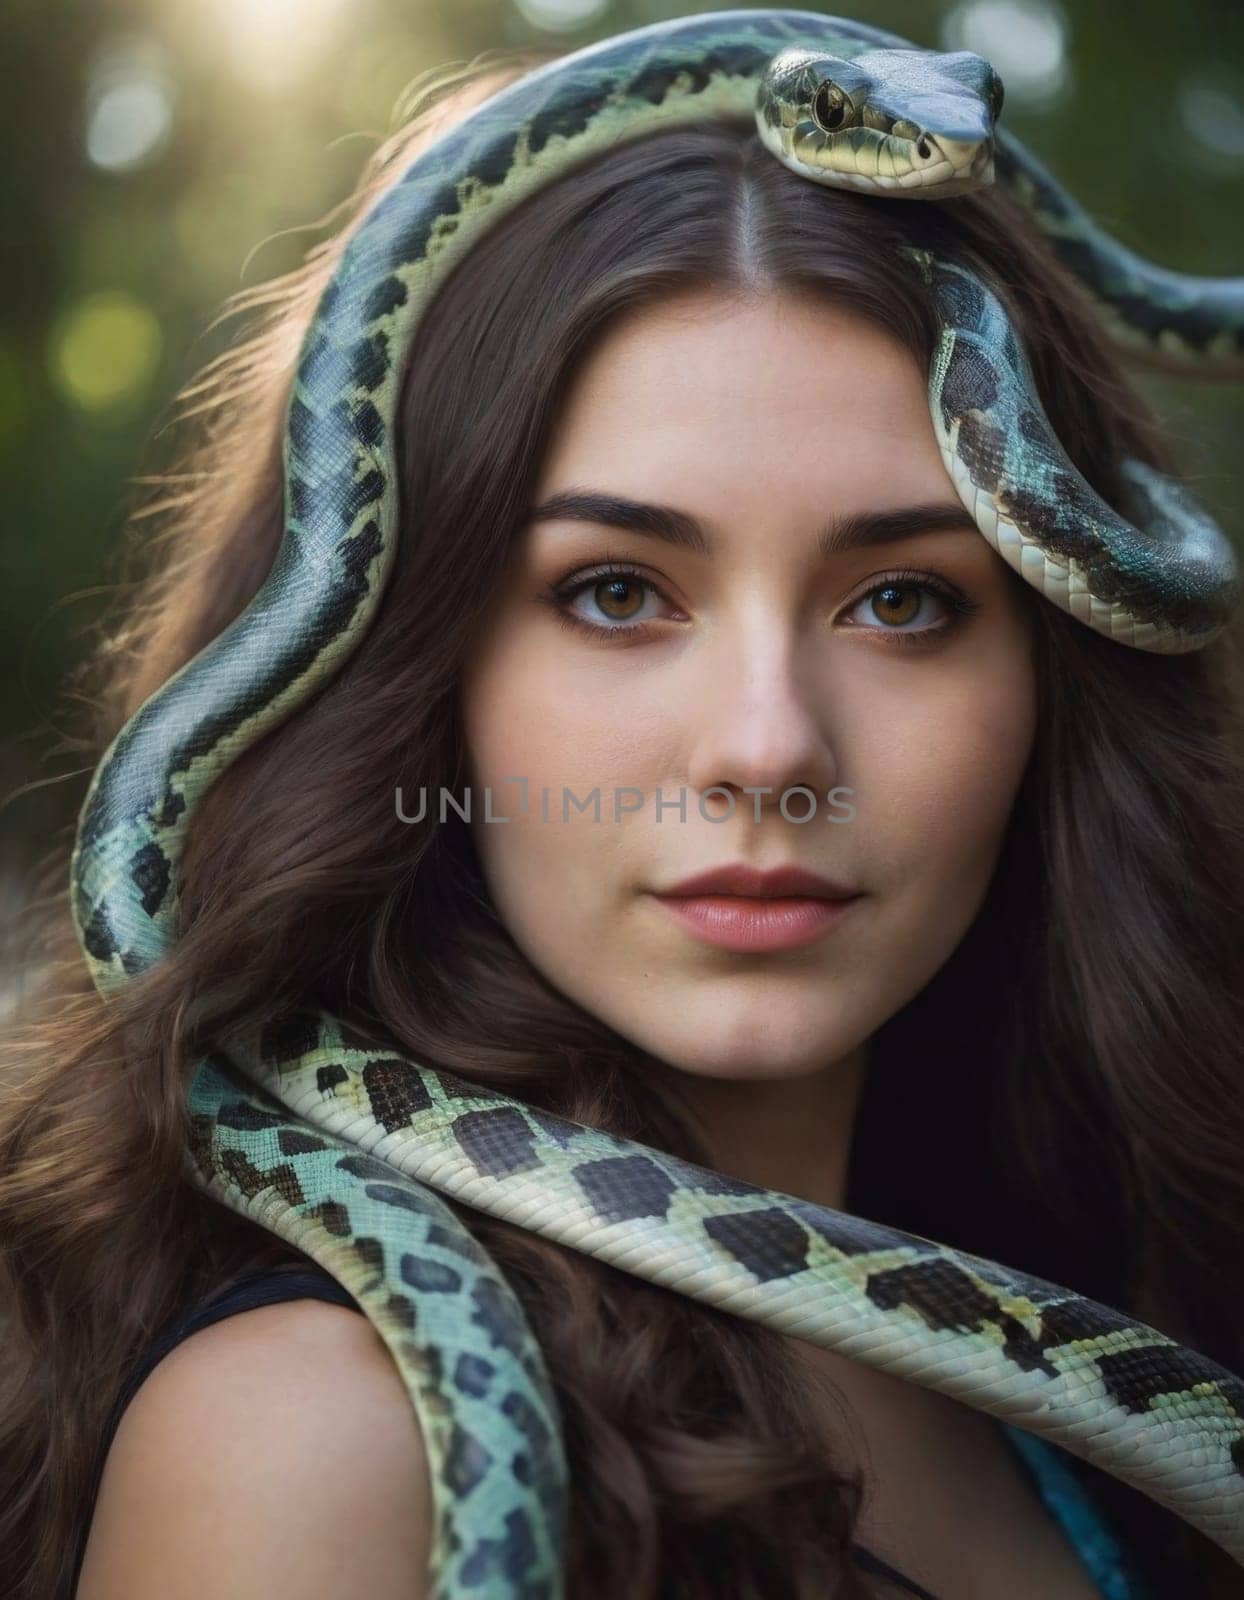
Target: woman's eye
610, 601
905, 607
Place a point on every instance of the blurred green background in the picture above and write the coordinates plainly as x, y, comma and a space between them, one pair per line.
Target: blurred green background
162, 154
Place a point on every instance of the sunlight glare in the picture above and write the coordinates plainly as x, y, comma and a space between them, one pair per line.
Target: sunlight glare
274, 43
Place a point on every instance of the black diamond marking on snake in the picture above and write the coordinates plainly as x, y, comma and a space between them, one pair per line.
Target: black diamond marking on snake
369, 361
97, 937
769, 1243
252, 1179
370, 1252
368, 425
249, 1118
462, 1088
982, 448
303, 421
1078, 1319
717, 1183
150, 873
1031, 426
962, 301
171, 810
385, 298
624, 1187
461, 1243
411, 243
319, 431
507, 1559
472, 1374
338, 489
290, 1037
390, 1194
527, 1420
497, 158
369, 488
421, 1273
556, 1127
853, 1235
367, 1167
498, 1141
466, 1461
333, 1217
402, 1309
327, 1078
294, 1142
944, 1296
1137, 1377
396, 1092
498, 1316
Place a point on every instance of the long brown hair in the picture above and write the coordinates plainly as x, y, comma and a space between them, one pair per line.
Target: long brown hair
1064, 1095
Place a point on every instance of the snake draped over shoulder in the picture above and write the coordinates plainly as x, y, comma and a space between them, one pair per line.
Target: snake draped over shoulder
344, 1148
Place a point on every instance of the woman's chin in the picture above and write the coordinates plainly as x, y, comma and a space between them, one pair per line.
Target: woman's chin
754, 1049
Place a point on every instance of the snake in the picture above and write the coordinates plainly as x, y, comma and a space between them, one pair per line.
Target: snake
328, 1139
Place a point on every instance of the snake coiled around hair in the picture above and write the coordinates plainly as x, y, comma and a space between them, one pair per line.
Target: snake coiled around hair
343, 1148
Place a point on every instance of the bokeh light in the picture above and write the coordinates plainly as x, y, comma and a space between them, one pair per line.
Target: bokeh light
272, 44
1024, 40
1213, 116
129, 108
104, 350
127, 124
560, 16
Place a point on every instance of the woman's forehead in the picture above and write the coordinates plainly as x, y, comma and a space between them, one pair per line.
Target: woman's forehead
745, 398
778, 339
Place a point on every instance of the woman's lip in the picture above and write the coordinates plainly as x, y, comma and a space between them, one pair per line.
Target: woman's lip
745, 922
766, 883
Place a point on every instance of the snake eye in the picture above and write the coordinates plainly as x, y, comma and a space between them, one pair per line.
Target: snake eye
829, 107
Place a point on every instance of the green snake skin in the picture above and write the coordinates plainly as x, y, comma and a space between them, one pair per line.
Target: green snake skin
344, 1149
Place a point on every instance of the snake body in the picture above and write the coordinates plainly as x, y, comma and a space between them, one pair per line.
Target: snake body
345, 1149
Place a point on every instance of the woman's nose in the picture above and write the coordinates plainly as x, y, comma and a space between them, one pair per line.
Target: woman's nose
757, 719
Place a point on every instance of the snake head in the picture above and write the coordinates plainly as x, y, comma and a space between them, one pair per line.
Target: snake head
906, 123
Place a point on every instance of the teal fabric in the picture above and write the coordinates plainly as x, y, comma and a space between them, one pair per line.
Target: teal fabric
1072, 1507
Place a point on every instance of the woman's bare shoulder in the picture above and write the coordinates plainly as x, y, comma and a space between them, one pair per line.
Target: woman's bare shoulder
275, 1451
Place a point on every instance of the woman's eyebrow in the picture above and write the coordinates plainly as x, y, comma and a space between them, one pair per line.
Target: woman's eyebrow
680, 528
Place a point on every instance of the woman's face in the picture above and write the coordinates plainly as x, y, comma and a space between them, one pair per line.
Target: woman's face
769, 630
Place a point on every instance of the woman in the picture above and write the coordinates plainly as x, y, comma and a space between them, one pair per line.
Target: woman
1015, 1031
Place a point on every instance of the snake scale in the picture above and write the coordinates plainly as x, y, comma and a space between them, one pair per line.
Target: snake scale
345, 1149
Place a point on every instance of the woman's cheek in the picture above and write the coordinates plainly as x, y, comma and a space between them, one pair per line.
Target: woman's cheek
936, 780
